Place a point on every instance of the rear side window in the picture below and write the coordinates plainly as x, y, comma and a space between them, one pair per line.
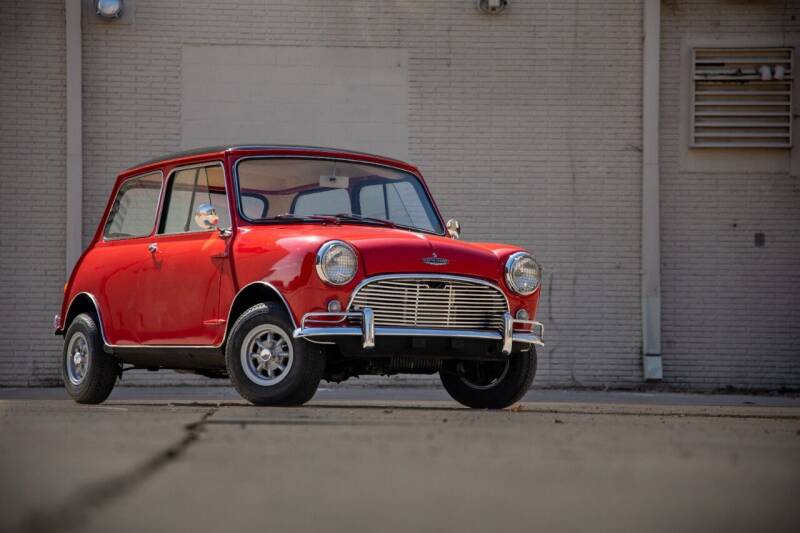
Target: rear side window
134, 211
190, 191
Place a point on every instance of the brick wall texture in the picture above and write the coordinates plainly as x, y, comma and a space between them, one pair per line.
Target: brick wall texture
731, 310
32, 188
527, 126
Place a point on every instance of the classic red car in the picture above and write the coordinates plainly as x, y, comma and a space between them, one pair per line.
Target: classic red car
280, 266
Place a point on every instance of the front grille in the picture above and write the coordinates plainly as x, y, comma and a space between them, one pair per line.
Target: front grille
432, 303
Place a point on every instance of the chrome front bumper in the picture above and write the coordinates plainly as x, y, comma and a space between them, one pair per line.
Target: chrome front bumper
327, 327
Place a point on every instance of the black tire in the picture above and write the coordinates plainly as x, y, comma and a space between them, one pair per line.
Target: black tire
489, 384
302, 374
97, 378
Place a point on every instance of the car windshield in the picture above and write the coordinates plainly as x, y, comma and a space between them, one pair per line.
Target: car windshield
283, 190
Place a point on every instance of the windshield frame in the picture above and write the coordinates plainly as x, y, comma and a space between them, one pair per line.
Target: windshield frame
265, 222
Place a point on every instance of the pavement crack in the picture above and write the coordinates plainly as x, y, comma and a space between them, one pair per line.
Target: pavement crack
73, 512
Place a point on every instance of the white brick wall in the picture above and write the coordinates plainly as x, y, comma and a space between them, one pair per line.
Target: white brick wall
322, 96
32, 180
731, 311
527, 126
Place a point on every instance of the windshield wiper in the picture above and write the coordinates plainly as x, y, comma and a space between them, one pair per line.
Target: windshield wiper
303, 218
338, 218
369, 220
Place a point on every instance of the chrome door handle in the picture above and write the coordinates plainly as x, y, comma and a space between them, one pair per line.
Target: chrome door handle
153, 248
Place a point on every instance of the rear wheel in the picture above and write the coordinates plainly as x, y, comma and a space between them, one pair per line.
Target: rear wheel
89, 373
490, 384
266, 364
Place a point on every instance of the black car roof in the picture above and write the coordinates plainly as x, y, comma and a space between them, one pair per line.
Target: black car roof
226, 147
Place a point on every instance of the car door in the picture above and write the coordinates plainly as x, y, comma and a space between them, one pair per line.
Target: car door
179, 291
121, 256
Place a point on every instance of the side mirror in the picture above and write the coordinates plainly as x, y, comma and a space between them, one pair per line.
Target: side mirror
454, 228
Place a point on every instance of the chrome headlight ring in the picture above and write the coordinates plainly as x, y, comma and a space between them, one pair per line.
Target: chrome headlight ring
523, 274
336, 263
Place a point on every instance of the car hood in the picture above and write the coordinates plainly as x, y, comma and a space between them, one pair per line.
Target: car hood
387, 250
404, 251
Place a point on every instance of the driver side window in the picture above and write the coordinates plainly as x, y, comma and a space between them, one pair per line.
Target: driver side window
195, 201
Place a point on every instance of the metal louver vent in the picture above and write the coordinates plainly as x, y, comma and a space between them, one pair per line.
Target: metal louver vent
741, 98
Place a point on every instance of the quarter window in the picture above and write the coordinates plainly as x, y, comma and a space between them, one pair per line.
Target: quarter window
398, 202
323, 202
191, 191
134, 211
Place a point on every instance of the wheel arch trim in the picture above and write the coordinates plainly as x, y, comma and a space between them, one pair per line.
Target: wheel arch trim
248, 287
69, 316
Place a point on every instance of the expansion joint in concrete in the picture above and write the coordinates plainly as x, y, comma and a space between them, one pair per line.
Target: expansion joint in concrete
72, 513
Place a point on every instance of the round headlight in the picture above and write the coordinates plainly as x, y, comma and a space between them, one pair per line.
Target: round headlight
336, 263
523, 273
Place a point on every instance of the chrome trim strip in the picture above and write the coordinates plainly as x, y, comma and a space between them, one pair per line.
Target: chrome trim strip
259, 282
534, 327
341, 315
96, 307
326, 332
368, 331
380, 331
508, 333
368, 326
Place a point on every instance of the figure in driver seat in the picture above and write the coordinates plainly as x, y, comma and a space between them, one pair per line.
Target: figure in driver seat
205, 216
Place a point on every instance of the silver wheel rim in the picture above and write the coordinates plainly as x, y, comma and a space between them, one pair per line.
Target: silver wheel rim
77, 358
267, 355
464, 379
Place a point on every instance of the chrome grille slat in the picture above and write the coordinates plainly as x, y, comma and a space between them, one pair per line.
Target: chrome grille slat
443, 302
435, 305
461, 289
394, 290
434, 312
431, 298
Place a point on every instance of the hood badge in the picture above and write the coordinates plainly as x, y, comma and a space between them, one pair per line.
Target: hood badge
435, 260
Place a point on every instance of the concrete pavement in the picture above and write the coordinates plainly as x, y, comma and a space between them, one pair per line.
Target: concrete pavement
386, 390
375, 460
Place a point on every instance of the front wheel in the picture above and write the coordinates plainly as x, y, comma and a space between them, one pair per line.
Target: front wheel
490, 384
89, 373
266, 364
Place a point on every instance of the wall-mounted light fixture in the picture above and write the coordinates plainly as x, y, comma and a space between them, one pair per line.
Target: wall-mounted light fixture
491, 7
108, 9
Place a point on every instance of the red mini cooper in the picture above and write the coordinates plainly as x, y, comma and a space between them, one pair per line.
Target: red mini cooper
280, 266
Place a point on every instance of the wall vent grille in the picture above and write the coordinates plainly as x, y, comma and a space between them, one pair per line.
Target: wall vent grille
742, 98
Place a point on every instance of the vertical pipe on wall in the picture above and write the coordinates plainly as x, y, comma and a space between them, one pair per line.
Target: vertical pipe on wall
74, 162
651, 224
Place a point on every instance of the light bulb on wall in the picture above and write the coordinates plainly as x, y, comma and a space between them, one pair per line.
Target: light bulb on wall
491, 7
108, 9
